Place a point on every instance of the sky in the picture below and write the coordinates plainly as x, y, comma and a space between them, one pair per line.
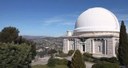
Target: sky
52, 17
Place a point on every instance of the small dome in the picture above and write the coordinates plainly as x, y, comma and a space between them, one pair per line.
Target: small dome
97, 19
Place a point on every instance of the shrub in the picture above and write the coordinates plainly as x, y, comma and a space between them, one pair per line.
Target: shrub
62, 55
77, 60
87, 57
104, 59
105, 65
61, 61
51, 62
111, 60
70, 52
15, 55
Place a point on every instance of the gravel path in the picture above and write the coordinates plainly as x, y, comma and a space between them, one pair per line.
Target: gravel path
88, 64
41, 61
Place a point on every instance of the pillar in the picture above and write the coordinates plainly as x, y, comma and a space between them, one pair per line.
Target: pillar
93, 46
105, 47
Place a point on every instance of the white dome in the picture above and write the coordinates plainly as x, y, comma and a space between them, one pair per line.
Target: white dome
97, 19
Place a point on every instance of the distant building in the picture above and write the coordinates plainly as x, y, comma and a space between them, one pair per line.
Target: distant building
96, 31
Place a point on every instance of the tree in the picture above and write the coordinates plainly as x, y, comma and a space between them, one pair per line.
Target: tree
16, 48
87, 56
70, 52
15, 55
123, 46
77, 60
52, 51
9, 34
51, 62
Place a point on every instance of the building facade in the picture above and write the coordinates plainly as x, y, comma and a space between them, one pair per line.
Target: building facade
96, 32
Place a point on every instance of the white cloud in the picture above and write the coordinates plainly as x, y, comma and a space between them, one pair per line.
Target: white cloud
68, 19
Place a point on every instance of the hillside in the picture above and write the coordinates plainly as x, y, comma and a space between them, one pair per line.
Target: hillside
43, 41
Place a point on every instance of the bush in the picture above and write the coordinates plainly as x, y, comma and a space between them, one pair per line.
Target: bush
87, 57
62, 55
111, 60
104, 59
77, 60
15, 55
61, 61
105, 65
51, 62
70, 52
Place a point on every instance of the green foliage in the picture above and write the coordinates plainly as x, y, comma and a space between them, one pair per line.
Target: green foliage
62, 55
123, 46
15, 51
51, 62
21, 40
77, 60
45, 66
105, 65
87, 57
105, 59
52, 51
9, 34
70, 52
61, 61
111, 60
15, 55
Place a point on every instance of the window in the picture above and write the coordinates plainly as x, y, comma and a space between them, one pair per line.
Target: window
83, 47
99, 48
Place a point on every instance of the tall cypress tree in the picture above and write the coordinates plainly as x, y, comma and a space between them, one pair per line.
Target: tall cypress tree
123, 46
77, 60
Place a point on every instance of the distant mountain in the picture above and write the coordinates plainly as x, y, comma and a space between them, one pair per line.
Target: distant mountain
33, 37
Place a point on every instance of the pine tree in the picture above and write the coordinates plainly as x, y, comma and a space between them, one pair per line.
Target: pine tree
9, 34
123, 46
77, 60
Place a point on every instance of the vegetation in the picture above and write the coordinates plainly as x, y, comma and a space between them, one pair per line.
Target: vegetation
123, 46
105, 65
70, 52
15, 55
15, 51
105, 59
111, 60
52, 51
51, 62
87, 57
62, 55
45, 66
61, 61
77, 60
9, 34
51, 42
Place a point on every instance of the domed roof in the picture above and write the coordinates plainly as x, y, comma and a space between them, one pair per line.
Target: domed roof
97, 19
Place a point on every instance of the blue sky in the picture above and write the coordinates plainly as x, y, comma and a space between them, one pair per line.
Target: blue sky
52, 17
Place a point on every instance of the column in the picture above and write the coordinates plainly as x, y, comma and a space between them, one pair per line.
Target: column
93, 46
74, 44
105, 48
114, 43
68, 48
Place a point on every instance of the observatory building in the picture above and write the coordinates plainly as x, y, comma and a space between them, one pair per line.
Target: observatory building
96, 32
